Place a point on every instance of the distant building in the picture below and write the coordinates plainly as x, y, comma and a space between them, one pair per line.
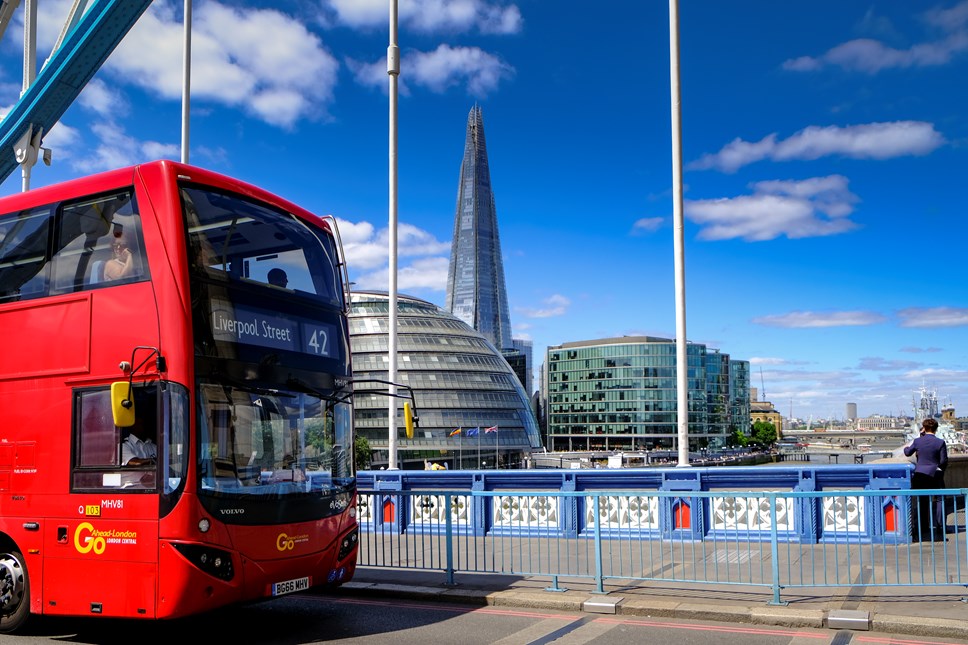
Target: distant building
764, 411
851, 411
526, 347
621, 394
877, 422
459, 379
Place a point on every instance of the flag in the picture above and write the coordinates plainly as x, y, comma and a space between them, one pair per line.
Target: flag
457, 431
491, 429
472, 432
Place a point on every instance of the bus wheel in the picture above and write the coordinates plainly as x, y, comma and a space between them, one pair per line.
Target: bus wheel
14, 586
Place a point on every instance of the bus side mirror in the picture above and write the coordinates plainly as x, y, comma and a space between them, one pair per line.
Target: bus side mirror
122, 408
408, 419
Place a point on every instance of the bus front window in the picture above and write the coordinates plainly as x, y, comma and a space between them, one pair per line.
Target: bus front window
259, 442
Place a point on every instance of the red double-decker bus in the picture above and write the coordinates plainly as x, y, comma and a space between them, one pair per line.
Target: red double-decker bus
175, 397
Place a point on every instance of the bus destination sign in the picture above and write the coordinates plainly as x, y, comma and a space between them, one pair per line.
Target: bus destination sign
253, 327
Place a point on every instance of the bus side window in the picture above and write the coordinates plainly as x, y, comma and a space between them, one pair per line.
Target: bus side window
23, 254
98, 445
98, 438
98, 241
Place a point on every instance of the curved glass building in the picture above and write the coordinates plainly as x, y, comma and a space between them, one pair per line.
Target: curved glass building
473, 411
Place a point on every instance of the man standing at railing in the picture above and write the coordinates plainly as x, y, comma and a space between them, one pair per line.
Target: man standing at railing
929, 473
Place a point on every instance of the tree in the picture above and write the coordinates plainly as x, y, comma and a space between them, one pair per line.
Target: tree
736, 438
361, 449
764, 433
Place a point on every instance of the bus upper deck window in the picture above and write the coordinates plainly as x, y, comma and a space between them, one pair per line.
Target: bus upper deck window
99, 242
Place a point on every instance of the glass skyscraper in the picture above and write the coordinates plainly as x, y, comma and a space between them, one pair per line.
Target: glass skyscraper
475, 282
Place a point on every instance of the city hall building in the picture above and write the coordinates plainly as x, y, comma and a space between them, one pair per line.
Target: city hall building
473, 410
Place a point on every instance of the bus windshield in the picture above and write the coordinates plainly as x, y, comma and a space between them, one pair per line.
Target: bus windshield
232, 238
272, 442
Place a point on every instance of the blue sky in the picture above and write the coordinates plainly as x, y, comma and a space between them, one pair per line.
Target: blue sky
824, 146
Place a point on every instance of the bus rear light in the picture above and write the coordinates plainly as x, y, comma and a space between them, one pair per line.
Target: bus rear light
348, 543
212, 561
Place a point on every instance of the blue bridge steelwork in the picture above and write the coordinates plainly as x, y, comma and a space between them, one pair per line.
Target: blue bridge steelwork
85, 48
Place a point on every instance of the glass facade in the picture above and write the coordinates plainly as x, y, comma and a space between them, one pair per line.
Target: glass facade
460, 382
476, 291
739, 388
621, 394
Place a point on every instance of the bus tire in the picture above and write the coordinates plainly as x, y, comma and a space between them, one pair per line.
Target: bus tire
14, 591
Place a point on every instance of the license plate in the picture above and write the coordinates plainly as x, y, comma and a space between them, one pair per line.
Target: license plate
290, 586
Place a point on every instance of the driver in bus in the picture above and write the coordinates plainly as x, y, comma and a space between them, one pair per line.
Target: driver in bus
138, 449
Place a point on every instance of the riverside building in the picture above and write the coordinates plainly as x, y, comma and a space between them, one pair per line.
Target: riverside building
460, 382
621, 394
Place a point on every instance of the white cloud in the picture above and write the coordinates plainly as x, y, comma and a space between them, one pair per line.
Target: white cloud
796, 209
867, 141
106, 101
920, 350
646, 225
765, 360
117, 150
438, 71
933, 317
814, 319
430, 16
259, 60
871, 56
422, 274
367, 251
556, 305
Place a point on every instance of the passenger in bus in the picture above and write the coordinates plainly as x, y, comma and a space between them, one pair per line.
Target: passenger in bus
138, 449
121, 264
278, 277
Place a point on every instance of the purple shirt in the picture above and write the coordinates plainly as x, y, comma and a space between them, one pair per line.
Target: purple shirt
932, 454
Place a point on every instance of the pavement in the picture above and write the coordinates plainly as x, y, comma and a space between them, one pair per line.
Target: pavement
940, 611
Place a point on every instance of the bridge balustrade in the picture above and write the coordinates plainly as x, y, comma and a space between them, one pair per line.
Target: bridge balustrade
695, 504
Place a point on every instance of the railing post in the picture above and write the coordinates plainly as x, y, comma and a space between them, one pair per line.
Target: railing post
599, 582
449, 522
774, 552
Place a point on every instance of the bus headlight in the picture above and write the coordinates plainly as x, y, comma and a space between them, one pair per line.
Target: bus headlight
204, 525
348, 543
212, 561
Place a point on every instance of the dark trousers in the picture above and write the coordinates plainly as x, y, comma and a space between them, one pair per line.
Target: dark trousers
931, 513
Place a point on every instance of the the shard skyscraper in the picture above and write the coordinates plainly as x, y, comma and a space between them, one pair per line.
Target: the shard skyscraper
475, 282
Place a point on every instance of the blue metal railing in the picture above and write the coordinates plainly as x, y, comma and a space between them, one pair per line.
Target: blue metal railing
721, 537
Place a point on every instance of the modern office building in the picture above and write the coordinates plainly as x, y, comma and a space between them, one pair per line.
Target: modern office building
526, 349
460, 382
476, 291
621, 394
739, 390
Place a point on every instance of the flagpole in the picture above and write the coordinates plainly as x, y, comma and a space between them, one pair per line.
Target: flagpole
478, 448
497, 447
460, 450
